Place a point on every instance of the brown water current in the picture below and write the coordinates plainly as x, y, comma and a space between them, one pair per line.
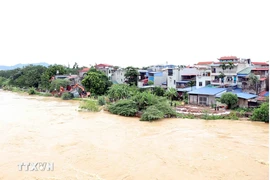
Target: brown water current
103, 146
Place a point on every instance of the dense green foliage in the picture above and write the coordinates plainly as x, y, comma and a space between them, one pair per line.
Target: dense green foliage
96, 82
151, 113
66, 96
170, 93
159, 91
101, 100
121, 91
57, 83
32, 91
146, 99
51, 71
131, 75
124, 107
261, 113
229, 99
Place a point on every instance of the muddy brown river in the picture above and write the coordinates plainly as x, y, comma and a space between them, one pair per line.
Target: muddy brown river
103, 146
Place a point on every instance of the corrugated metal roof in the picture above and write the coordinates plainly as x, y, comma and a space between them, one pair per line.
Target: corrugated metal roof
245, 71
187, 89
241, 95
207, 91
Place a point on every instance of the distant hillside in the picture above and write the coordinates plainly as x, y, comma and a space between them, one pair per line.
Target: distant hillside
22, 65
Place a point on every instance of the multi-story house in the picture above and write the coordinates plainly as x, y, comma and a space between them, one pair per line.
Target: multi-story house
106, 68
203, 77
118, 76
229, 72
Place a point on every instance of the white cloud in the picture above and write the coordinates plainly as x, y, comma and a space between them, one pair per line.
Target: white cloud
132, 33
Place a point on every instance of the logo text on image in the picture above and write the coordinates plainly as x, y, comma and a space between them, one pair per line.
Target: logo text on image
36, 166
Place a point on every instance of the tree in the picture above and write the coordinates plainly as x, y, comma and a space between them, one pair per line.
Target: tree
261, 113
159, 91
96, 82
170, 93
267, 83
75, 66
120, 91
131, 75
191, 84
223, 67
29, 76
229, 99
253, 80
230, 65
49, 73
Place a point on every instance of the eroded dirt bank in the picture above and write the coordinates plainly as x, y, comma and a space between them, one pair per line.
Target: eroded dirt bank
105, 146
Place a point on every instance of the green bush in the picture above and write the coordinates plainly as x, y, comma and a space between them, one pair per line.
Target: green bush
90, 105
125, 107
229, 99
101, 100
159, 91
165, 108
66, 96
56, 95
146, 99
261, 113
151, 113
32, 91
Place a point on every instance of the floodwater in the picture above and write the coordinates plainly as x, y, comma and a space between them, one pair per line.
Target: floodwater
103, 146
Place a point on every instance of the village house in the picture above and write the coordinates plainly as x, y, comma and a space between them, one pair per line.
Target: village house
203, 77
205, 95
118, 76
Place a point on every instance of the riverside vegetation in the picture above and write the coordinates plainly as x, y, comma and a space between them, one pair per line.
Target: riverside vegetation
121, 99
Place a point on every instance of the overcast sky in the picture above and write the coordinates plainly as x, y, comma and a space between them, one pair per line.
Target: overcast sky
138, 33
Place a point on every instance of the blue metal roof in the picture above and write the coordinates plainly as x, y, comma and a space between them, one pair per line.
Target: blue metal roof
207, 91
241, 95
187, 89
182, 81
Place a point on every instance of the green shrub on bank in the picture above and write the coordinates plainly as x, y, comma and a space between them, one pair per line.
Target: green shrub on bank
90, 106
261, 113
101, 100
125, 107
32, 91
165, 108
66, 96
152, 113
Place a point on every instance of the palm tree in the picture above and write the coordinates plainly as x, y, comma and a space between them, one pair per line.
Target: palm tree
230, 65
170, 93
253, 79
191, 84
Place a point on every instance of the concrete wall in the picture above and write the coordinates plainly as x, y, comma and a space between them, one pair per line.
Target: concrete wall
242, 103
118, 76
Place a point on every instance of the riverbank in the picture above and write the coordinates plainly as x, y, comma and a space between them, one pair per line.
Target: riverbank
106, 146
205, 115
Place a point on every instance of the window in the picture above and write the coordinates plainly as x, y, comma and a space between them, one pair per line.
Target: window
174, 81
170, 72
200, 83
203, 100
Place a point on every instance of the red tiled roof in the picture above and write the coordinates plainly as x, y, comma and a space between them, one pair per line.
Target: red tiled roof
260, 69
260, 63
262, 79
105, 65
228, 57
205, 63
224, 62
85, 70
